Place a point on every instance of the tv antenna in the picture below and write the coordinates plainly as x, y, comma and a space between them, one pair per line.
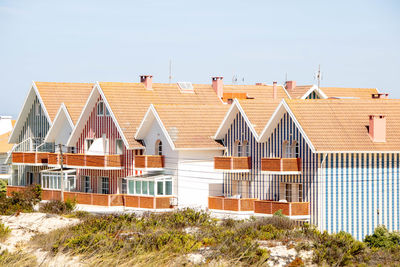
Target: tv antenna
318, 77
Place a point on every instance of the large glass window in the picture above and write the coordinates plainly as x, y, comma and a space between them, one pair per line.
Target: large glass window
288, 192
124, 189
150, 187
300, 192
86, 184
105, 185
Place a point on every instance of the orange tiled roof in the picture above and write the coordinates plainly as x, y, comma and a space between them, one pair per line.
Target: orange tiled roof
299, 91
4, 145
259, 92
340, 125
129, 101
259, 112
192, 126
361, 93
73, 95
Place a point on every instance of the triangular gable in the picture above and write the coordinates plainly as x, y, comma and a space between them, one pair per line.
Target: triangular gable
229, 118
315, 89
275, 119
33, 92
86, 111
62, 118
149, 118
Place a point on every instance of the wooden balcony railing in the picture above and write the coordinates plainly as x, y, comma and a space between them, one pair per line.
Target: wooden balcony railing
232, 163
281, 165
149, 161
87, 161
288, 208
30, 158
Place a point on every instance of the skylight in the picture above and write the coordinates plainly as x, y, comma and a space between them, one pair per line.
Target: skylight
186, 87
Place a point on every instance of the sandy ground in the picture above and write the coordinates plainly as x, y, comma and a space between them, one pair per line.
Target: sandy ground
26, 225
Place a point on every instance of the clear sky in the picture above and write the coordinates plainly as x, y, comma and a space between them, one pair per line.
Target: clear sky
357, 43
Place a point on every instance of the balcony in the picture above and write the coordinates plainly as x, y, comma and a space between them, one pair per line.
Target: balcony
281, 166
232, 164
294, 210
30, 158
101, 162
149, 162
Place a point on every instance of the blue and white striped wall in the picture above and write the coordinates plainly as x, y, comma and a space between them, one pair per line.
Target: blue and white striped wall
351, 192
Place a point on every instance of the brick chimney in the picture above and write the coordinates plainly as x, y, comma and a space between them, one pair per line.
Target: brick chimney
380, 96
290, 85
377, 128
274, 91
218, 86
147, 80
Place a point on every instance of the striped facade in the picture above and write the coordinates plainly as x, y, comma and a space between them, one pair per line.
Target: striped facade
32, 134
352, 192
266, 187
95, 127
360, 191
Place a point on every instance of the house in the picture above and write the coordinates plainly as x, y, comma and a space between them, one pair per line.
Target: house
40, 109
181, 135
339, 156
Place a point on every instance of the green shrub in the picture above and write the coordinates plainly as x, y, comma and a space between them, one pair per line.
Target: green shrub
382, 238
338, 249
3, 186
23, 201
58, 207
4, 231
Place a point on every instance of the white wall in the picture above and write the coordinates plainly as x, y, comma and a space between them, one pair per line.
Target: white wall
5, 124
197, 178
192, 172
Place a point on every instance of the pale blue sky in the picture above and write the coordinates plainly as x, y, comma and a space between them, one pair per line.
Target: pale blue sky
357, 43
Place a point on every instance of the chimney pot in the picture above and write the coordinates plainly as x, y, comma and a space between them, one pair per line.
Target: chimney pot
218, 85
147, 80
290, 85
274, 91
377, 128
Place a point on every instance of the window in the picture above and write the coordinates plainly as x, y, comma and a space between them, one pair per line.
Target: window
29, 178
86, 184
71, 183
106, 109
51, 181
100, 108
288, 192
88, 144
300, 192
286, 150
38, 110
237, 149
124, 189
150, 187
245, 149
295, 149
105, 185
159, 147
119, 146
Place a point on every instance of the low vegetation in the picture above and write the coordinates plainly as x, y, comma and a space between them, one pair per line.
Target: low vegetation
58, 207
171, 238
23, 201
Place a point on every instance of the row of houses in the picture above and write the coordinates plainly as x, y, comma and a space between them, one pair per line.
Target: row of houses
326, 155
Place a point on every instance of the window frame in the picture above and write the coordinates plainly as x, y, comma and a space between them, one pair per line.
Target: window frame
288, 192
100, 104
116, 146
86, 143
159, 148
136, 185
89, 188
101, 185
300, 192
